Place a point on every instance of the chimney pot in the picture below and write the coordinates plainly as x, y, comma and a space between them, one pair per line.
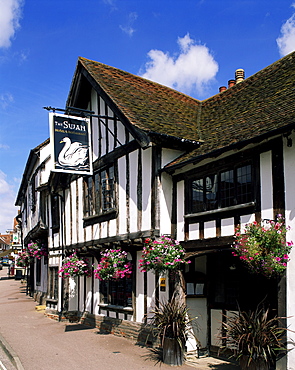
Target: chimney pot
231, 83
222, 88
240, 75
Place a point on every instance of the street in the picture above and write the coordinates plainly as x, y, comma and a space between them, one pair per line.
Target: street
38, 342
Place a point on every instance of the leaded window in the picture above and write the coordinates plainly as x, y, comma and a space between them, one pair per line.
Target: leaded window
99, 193
222, 189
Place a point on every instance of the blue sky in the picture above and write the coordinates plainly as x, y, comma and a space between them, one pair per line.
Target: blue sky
193, 46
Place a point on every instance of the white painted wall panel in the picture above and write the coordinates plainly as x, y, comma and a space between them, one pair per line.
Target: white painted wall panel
194, 231
266, 185
139, 292
180, 210
216, 319
133, 160
165, 196
80, 209
146, 188
120, 133
74, 212
122, 195
210, 229
289, 159
247, 219
227, 226
94, 125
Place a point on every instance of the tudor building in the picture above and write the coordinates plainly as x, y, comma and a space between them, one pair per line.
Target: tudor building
165, 163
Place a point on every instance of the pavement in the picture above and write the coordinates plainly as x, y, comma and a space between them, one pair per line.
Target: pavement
32, 341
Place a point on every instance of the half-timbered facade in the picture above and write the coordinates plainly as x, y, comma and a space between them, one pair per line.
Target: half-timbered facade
165, 163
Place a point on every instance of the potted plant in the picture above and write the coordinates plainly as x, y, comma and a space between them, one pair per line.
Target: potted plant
255, 337
37, 251
162, 255
73, 266
172, 320
113, 265
23, 259
263, 247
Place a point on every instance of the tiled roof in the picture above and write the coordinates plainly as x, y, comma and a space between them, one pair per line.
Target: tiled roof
147, 105
259, 105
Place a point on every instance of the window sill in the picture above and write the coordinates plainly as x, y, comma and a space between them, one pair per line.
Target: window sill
221, 210
111, 307
91, 220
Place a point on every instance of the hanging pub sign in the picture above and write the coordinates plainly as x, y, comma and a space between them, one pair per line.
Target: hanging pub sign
70, 142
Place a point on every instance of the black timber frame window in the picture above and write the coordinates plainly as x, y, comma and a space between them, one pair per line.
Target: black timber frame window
116, 292
52, 282
224, 188
55, 217
100, 193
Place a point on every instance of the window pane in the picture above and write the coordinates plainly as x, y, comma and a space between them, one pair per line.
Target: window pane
197, 195
211, 192
227, 188
244, 181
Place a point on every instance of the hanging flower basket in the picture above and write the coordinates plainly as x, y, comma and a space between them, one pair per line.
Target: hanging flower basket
263, 247
113, 265
37, 251
162, 255
73, 266
23, 259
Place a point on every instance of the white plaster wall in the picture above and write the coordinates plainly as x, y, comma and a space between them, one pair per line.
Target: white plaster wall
133, 160
122, 195
88, 300
227, 226
80, 209
74, 212
67, 216
209, 229
94, 125
120, 133
139, 292
266, 185
150, 293
194, 231
146, 189
289, 157
96, 293
180, 210
216, 320
165, 196
198, 310
247, 219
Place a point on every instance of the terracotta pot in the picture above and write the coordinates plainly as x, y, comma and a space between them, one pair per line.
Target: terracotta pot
259, 364
172, 352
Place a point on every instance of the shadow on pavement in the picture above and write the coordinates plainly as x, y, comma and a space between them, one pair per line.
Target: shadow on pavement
76, 327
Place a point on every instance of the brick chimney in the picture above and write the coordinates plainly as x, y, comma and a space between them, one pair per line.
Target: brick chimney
222, 88
231, 83
240, 75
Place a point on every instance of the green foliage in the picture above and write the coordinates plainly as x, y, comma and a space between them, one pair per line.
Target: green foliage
254, 335
172, 320
263, 248
162, 255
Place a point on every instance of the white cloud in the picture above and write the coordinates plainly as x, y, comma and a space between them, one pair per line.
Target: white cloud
7, 199
129, 27
6, 99
286, 41
9, 20
4, 146
190, 70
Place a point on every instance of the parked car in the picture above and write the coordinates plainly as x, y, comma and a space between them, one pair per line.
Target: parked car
5, 262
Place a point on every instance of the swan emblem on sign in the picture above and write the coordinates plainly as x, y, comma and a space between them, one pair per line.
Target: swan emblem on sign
72, 154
